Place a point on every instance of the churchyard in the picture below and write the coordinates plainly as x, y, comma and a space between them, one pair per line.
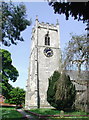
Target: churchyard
61, 85
10, 113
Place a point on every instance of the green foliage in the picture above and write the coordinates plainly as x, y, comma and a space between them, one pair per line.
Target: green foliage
9, 72
61, 92
51, 91
17, 96
65, 92
6, 88
13, 22
78, 10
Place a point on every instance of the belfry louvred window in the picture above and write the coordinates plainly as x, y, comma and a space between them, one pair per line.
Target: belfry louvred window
47, 39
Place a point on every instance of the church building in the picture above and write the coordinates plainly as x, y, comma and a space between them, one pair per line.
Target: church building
45, 58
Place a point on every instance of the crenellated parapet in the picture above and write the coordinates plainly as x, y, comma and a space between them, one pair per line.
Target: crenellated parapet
47, 26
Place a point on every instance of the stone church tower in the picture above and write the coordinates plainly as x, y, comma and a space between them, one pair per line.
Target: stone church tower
45, 58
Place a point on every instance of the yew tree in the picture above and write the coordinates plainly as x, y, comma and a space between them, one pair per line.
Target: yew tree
65, 93
51, 91
61, 92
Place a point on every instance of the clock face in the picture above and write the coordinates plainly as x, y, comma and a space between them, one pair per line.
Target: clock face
48, 52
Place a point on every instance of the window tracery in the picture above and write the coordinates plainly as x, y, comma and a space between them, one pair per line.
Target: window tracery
47, 39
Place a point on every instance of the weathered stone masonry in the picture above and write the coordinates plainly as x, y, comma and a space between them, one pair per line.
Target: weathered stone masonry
45, 58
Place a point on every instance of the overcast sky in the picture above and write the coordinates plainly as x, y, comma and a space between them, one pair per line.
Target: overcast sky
21, 52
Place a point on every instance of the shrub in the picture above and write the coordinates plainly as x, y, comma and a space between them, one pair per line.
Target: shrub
61, 92
51, 91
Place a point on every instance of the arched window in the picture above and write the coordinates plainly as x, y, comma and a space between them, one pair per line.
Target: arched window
47, 39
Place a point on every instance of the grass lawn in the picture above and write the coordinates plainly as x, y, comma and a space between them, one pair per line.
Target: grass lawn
9, 113
66, 115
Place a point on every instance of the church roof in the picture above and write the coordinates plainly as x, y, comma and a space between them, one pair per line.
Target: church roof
80, 81
74, 75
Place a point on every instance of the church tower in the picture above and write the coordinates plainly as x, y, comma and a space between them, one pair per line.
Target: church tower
45, 58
